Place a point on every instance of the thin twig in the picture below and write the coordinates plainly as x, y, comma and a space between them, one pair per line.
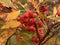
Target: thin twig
45, 36
37, 33
47, 39
19, 4
49, 30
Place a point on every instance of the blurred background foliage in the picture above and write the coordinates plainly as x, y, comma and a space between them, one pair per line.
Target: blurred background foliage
13, 40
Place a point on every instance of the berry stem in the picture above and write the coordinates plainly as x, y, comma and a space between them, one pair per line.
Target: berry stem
37, 33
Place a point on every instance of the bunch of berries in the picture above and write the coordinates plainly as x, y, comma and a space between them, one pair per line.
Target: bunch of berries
28, 21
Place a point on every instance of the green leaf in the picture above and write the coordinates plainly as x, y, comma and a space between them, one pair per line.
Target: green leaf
22, 1
13, 40
58, 37
1, 23
7, 3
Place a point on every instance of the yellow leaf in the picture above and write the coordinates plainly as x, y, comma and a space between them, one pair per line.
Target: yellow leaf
6, 34
54, 11
10, 24
40, 1
13, 15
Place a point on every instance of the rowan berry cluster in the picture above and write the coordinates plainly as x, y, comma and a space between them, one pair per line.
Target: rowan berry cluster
28, 21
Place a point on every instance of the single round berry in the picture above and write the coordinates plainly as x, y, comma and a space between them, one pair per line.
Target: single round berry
18, 19
21, 19
27, 28
26, 20
44, 8
39, 23
34, 20
26, 15
41, 32
32, 28
32, 15
2, 6
35, 39
20, 37
58, 13
30, 22
21, 25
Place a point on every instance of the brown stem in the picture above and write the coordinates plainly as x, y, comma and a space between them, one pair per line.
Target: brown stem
45, 36
49, 30
47, 39
54, 33
37, 33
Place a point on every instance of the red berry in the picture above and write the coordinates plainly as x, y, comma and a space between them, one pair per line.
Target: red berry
21, 19
41, 32
35, 39
32, 28
44, 7
2, 6
31, 20
58, 13
34, 20
21, 37
32, 15
18, 19
39, 23
41, 36
21, 25
26, 20
27, 28
26, 15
